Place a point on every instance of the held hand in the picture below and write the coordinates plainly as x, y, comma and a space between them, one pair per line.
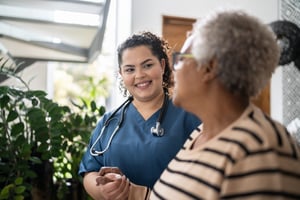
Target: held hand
105, 170
108, 177
102, 179
113, 184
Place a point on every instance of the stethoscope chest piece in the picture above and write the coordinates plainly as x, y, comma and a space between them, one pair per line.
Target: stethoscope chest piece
157, 130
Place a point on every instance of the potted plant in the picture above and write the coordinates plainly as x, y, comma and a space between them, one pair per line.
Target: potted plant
41, 142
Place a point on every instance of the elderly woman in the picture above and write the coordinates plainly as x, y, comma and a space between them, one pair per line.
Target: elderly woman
238, 152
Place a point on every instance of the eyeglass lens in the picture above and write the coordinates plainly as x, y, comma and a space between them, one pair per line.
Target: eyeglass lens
177, 57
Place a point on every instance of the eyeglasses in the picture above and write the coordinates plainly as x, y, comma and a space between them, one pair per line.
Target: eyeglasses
177, 58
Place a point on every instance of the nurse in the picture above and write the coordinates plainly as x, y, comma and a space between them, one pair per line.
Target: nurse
152, 129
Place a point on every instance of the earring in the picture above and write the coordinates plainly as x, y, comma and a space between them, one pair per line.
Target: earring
122, 88
164, 84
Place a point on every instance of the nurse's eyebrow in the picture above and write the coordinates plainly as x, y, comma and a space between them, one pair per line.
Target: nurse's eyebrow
145, 61
127, 66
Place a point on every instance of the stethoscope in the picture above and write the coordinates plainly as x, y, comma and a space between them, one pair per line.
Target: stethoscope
156, 130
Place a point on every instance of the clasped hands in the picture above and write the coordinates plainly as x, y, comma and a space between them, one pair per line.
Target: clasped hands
113, 183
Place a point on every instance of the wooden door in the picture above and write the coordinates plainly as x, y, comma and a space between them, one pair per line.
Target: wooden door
175, 31
263, 100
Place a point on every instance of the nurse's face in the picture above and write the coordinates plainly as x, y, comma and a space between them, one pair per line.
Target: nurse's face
142, 73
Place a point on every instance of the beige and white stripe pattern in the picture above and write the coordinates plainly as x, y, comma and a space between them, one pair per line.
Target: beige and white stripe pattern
253, 158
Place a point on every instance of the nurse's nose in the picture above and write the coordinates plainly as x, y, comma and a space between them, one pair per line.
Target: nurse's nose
140, 72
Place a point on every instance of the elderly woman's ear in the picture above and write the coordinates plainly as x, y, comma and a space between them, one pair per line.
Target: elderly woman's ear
210, 70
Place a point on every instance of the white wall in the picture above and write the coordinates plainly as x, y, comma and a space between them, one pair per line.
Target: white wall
120, 16
147, 15
34, 75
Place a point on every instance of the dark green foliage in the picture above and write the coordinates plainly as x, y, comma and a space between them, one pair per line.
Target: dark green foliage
36, 130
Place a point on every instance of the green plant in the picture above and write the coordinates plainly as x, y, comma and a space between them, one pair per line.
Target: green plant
80, 125
83, 120
32, 130
40, 141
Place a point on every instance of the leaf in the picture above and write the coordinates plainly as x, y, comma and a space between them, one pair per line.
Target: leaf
101, 110
12, 115
52, 108
66, 109
36, 93
4, 100
84, 103
17, 128
26, 148
56, 151
47, 155
19, 181
34, 102
19, 197
4, 89
30, 174
78, 120
93, 106
43, 147
16, 92
35, 114
21, 141
6, 191
35, 160
36, 118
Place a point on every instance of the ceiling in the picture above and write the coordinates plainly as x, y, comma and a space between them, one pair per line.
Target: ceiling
52, 30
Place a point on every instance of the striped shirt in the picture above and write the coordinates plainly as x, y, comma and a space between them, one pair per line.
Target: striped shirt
253, 158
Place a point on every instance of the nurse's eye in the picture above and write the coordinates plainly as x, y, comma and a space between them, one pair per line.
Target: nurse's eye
148, 65
129, 70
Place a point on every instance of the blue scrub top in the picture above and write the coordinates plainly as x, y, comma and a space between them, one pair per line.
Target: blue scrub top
140, 155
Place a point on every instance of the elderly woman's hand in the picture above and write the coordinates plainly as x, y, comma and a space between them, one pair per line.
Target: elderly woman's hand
112, 183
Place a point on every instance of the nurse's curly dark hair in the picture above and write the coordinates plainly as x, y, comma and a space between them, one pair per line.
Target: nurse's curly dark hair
159, 48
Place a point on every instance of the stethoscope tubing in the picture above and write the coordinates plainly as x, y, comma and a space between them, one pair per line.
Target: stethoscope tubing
94, 152
157, 130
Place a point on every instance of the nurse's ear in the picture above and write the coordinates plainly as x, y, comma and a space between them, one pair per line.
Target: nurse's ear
120, 74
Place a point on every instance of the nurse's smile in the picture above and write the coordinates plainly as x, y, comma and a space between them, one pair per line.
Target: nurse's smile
143, 85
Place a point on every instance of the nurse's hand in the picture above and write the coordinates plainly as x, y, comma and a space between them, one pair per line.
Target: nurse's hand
105, 170
113, 186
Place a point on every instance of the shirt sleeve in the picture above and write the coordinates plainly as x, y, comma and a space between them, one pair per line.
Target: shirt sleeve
91, 163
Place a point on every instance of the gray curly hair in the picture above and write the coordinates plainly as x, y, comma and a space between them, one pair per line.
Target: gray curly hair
245, 49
